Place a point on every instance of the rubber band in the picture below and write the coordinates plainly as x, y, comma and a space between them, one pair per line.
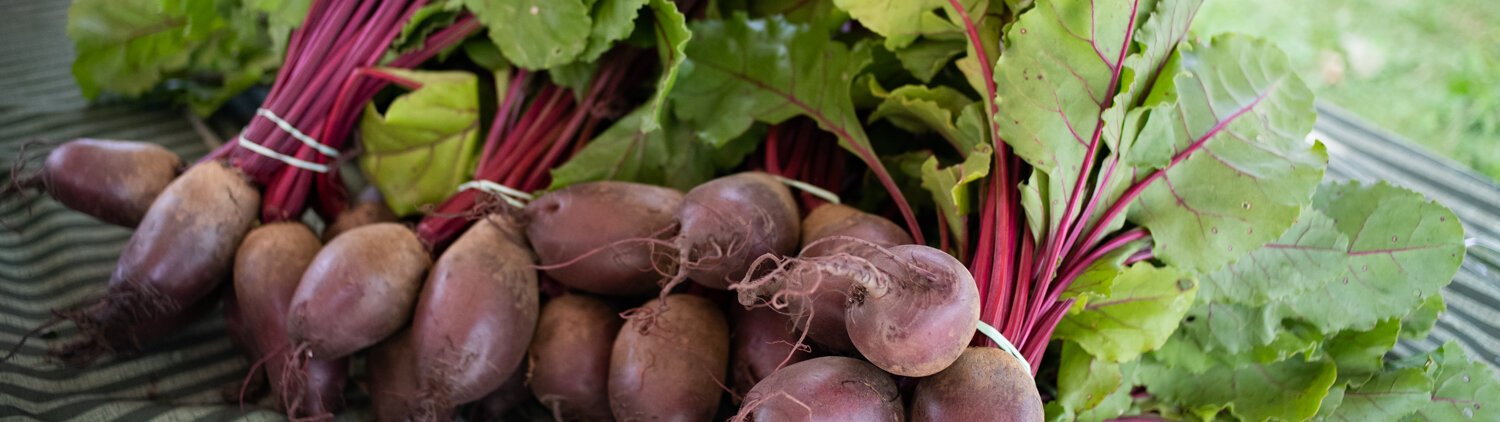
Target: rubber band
288, 128
510, 195
289, 160
831, 197
1004, 344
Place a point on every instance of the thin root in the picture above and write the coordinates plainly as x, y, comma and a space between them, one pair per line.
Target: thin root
56, 318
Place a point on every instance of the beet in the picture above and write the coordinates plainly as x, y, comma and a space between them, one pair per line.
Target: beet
114, 181
495, 405
583, 235
394, 389
729, 222
359, 289
911, 311
369, 209
671, 367
824, 233
829, 388
182, 250
476, 314
570, 357
984, 384
268, 267
764, 341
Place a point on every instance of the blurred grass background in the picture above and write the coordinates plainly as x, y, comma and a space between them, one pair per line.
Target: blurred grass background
1426, 69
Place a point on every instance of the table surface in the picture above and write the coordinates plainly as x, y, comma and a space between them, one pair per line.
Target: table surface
59, 258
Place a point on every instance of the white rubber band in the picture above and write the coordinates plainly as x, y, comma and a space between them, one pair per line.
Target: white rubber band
288, 128
289, 160
1004, 344
512, 196
831, 197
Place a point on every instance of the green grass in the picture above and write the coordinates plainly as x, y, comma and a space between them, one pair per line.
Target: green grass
1426, 69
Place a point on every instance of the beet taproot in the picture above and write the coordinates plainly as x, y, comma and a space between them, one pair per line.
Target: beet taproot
830, 388
570, 357
672, 367
586, 235
359, 289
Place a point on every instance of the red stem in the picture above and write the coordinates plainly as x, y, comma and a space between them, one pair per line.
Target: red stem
995, 256
1059, 240
1140, 186
1078, 267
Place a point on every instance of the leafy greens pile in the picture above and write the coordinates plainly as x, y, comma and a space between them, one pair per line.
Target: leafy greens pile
1141, 208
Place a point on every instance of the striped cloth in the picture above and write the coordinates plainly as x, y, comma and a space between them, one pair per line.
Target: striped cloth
60, 258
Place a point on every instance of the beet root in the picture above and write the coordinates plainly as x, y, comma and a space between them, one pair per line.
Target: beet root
984, 384
495, 405
911, 310
394, 389
370, 209
359, 289
830, 230
113, 181
673, 369
135, 337
729, 222
570, 357
476, 313
585, 235
267, 269
763, 341
924, 320
829, 388
182, 250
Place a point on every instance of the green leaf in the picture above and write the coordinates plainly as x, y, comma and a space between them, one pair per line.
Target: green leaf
817, 13
1331, 402
951, 190
283, 13
921, 109
1402, 249
613, 20
1387, 397
672, 37
1237, 169
1062, 63
1097, 281
1230, 328
484, 53
740, 70
989, 25
1082, 381
1165, 29
1306, 256
124, 46
1419, 322
536, 34
1037, 201
427, 141
1462, 389
427, 20
574, 76
210, 50
1115, 402
899, 21
1142, 310
924, 58
1361, 354
670, 157
1286, 390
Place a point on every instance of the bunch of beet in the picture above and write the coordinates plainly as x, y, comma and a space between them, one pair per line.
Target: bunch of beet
817, 318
